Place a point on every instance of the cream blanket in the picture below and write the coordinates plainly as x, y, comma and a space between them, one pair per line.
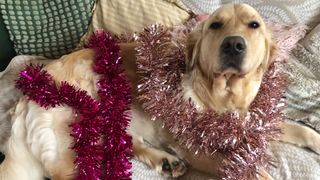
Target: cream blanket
303, 98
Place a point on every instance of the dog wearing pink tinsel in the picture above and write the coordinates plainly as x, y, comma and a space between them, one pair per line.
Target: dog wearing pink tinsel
210, 98
215, 94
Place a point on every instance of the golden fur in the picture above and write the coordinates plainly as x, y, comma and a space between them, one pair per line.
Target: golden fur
229, 91
40, 141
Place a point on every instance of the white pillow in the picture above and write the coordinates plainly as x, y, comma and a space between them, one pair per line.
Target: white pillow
281, 11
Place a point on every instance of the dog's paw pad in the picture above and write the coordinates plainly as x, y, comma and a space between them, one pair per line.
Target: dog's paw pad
173, 168
166, 165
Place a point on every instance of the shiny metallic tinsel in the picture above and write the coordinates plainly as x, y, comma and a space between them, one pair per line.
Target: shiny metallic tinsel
101, 143
242, 140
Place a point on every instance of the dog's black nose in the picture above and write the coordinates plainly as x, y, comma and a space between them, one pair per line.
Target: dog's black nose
233, 46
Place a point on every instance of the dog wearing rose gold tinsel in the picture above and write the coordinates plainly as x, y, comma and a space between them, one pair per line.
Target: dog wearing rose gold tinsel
211, 97
215, 94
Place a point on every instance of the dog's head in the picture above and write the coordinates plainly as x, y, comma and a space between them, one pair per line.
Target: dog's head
233, 43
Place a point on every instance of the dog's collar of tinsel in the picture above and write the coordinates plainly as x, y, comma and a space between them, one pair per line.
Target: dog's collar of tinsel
243, 141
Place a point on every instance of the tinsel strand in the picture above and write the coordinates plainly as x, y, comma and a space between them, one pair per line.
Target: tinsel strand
39, 86
106, 120
243, 141
116, 95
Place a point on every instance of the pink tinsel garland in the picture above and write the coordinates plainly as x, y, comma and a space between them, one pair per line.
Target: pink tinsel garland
107, 119
242, 141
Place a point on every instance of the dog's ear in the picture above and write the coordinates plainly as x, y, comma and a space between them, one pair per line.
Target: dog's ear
193, 46
271, 51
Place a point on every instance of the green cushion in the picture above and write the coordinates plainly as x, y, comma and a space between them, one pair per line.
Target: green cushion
6, 50
48, 28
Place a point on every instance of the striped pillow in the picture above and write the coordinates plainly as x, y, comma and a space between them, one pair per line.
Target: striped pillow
128, 16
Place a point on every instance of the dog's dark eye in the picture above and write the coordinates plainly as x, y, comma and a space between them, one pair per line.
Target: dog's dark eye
254, 25
216, 25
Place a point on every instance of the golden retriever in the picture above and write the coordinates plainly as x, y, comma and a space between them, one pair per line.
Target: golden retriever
226, 58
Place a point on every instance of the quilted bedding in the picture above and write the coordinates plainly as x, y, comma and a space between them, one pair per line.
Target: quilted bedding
294, 162
303, 98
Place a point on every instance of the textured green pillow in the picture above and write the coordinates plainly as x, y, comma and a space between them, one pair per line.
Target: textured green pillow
49, 28
6, 50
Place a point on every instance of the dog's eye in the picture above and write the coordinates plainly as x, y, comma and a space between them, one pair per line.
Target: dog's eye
216, 25
254, 25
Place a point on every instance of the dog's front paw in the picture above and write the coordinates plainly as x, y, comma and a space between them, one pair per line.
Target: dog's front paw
169, 165
173, 167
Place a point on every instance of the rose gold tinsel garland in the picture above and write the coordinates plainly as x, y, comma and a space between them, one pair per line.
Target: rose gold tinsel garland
243, 141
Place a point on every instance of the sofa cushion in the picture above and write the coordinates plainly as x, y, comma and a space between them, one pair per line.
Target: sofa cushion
128, 16
6, 51
48, 28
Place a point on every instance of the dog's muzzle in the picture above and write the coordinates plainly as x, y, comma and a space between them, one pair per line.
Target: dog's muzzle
232, 51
